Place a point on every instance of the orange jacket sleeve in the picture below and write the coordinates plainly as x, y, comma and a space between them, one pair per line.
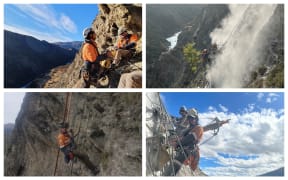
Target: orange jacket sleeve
89, 52
133, 38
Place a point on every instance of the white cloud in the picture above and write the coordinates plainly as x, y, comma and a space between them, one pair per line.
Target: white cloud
260, 96
273, 95
41, 13
250, 107
268, 100
211, 108
68, 24
223, 108
257, 134
45, 17
269, 97
37, 34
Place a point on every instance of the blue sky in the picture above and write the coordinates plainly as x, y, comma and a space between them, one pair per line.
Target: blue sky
253, 141
50, 22
233, 102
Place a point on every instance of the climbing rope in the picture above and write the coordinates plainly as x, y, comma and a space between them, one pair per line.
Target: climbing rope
65, 120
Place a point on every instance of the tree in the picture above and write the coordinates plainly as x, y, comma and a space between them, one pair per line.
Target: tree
191, 55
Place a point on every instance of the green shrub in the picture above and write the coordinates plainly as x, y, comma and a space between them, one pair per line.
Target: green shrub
191, 55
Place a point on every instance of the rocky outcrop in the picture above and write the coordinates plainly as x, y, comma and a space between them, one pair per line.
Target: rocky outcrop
109, 136
110, 18
27, 58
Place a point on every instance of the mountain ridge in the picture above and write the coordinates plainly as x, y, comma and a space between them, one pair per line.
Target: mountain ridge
26, 55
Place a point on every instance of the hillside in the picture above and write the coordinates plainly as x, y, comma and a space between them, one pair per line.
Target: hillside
70, 45
277, 172
109, 137
26, 58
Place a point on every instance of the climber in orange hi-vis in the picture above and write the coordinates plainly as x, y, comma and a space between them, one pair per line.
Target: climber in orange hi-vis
90, 53
66, 144
126, 44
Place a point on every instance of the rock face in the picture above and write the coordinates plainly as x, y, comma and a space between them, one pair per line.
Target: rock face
110, 18
109, 136
26, 58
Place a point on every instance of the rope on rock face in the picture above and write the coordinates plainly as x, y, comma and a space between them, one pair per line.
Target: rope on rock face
65, 120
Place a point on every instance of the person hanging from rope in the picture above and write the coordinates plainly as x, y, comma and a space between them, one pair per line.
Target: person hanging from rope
91, 56
66, 142
125, 46
187, 148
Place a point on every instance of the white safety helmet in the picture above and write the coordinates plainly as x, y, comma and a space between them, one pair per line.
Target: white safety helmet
193, 112
122, 30
86, 32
